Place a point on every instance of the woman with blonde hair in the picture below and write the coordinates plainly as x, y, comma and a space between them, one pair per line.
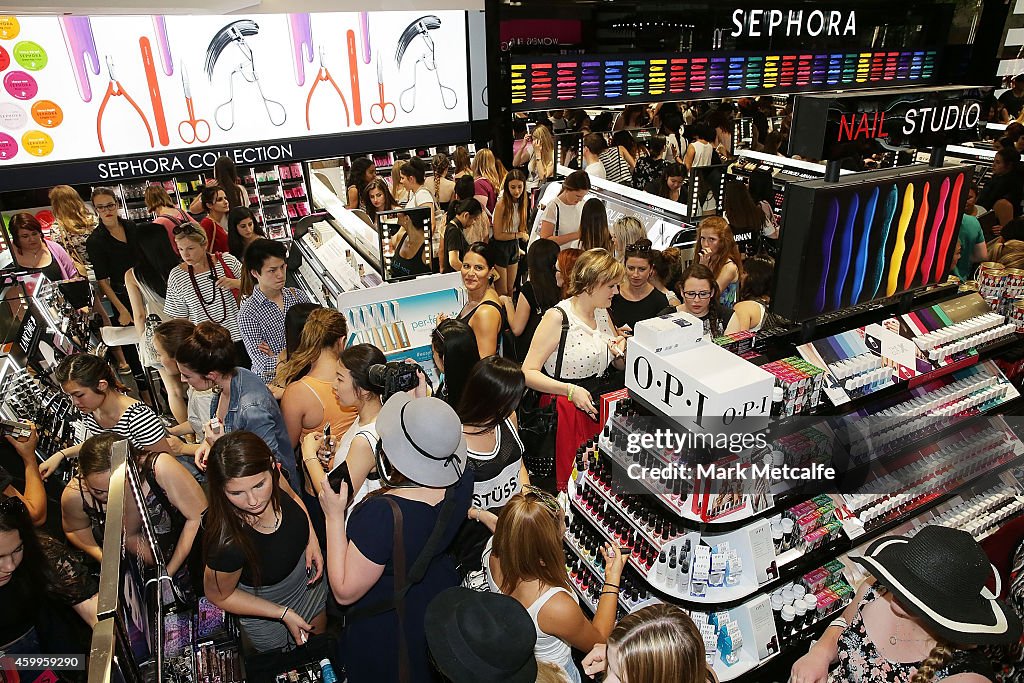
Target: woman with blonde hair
398, 190
309, 403
75, 222
487, 176
718, 251
656, 644
571, 371
463, 165
525, 560
626, 230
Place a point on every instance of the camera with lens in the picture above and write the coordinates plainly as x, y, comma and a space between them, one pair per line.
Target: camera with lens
394, 377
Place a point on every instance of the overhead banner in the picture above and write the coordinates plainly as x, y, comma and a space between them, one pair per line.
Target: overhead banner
561, 81
85, 87
832, 126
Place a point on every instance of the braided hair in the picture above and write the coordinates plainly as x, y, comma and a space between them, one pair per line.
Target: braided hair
940, 656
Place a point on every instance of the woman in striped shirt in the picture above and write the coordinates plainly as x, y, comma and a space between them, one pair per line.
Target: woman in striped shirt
95, 390
205, 287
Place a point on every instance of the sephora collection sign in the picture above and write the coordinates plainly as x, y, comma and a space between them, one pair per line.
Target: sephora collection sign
833, 126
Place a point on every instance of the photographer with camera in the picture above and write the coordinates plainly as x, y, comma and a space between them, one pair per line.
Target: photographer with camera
391, 562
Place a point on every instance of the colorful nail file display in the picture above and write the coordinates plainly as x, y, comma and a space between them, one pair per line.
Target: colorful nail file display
579, 80
250, 83
857, 240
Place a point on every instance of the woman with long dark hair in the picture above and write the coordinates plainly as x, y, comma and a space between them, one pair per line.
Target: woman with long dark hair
37, 576
483, 310
243, 229
34, 253
225, 172
699, 293
455, 351
637, 299
541, 291
359, 175
751, 312
510, 226
146, 283
241, 401
670, 183
594, 232
263, 562
487, 411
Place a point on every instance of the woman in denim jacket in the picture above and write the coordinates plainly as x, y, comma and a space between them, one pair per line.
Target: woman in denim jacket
241, 401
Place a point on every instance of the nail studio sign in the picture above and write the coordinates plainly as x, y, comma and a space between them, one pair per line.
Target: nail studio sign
757, 23
197, 161
917, 121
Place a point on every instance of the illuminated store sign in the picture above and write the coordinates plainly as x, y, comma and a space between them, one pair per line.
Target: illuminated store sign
824, 126
177, 87
757, 23
588, 80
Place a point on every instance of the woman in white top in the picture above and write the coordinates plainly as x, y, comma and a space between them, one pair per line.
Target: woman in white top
537, 578
698, 152
560, 221
357, 446
147, 288
591, 343
440, 187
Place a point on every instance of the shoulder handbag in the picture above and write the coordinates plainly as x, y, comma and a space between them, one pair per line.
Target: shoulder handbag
539, 423
227, 271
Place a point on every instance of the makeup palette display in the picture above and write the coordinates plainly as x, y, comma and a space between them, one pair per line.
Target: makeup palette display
547, 82
859, 240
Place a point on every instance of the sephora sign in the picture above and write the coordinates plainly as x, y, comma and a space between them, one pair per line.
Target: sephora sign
758, 23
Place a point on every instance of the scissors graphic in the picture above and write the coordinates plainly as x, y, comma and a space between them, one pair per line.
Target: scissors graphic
192, 130
382, 111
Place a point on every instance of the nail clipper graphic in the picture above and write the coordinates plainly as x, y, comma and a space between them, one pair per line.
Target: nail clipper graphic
826, 252
114, 89
914, 257
896, 260
887, 217
845, 250
300, 31
936, 232
421, 29
81, 44
861, 265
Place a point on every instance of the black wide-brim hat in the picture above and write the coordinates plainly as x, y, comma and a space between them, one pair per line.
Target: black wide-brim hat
939, 575
479, 637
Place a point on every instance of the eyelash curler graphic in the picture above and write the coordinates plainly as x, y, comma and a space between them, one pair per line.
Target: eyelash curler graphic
114, 89
235, 33
826, 252
936, 231
896, 260
890, 213
861, 265
917, 247
845, 250
421, 28
324, 75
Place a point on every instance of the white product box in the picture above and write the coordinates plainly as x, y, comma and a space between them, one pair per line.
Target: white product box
671, 332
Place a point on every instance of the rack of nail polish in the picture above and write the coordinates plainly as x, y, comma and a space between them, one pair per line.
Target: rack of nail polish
800, 608
948, 344
980, 514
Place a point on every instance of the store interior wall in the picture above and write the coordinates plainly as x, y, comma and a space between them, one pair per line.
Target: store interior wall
92, 7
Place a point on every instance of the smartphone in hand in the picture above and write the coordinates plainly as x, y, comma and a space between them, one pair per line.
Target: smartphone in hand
338, 475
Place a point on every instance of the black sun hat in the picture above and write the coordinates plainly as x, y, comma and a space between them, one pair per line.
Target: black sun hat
479, 637
939, 575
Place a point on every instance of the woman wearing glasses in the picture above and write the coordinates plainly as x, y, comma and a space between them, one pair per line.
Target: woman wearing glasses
637, 299
699, 292
525, 560
421, 458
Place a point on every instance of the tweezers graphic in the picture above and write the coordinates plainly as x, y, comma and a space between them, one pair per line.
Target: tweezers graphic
896, 261
80, 43
917, 247
845, 250
890, 213
951, 224
300, 31
861, 266
826, 252
933, 237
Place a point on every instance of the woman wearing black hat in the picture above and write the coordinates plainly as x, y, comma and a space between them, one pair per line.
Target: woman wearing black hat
390, 561
920, 618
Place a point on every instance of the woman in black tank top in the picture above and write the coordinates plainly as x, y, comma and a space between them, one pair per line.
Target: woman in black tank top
409, 244
487, 411
483, 311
